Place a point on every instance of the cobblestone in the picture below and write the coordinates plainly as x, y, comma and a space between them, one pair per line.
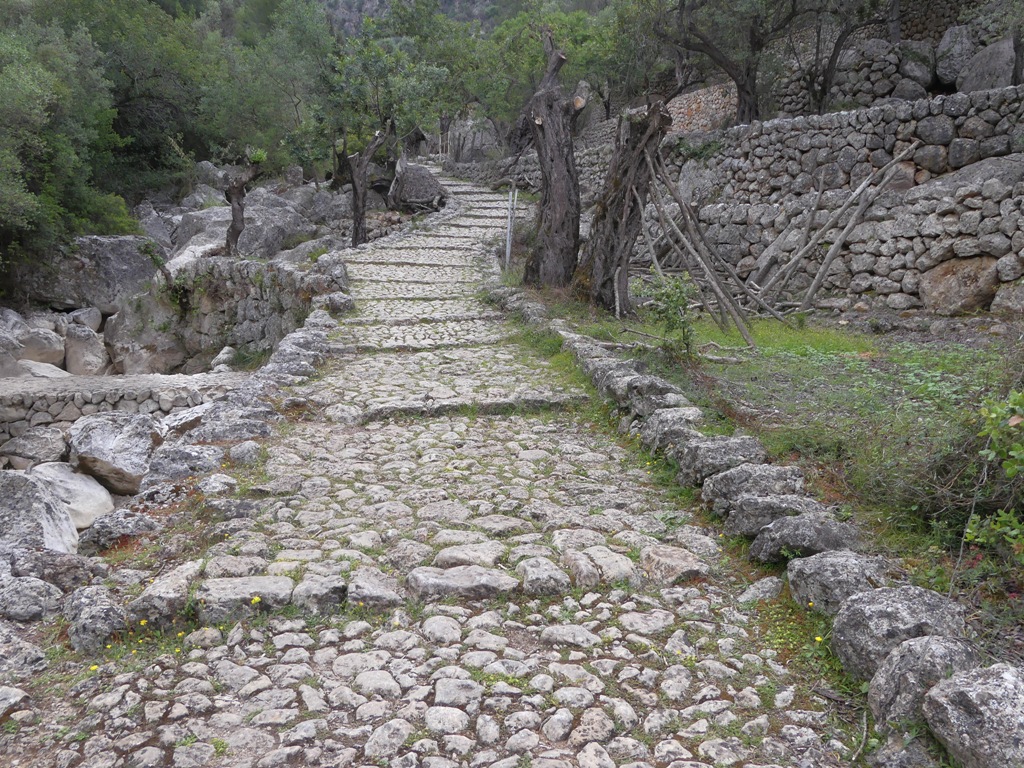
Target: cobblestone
509, 584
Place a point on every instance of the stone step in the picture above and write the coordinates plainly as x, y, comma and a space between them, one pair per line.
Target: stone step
387, 290
478, 374
421, 336
362, 273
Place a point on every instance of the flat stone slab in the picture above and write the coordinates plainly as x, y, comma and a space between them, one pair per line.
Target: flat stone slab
470, 582
233, 598
664, 564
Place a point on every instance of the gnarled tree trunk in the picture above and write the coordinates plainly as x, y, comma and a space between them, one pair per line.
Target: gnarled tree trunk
357, 166
238, 179
550, 116
603, 271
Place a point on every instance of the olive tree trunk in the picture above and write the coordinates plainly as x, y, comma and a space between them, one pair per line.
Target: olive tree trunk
603, 271
550, 115
357, 166
238, 179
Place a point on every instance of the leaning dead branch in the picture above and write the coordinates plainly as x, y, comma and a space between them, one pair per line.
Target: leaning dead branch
721, 287
780, 279
704, 260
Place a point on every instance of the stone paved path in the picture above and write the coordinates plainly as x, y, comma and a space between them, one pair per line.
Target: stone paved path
518, 591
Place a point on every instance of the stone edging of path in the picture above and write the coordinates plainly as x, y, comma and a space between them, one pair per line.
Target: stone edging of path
905, 640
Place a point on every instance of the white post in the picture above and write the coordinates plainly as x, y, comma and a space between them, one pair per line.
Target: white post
511, 219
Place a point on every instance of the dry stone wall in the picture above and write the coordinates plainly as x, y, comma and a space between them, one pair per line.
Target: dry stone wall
947, 235
704, 110
25, 404
957, 199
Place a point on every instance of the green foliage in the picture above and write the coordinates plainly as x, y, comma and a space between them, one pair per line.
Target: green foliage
512, 61
56, 137
670, 298
1002, 425
703, 151
1004, 429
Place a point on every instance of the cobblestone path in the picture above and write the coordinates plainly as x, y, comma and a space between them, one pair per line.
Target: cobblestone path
519, 592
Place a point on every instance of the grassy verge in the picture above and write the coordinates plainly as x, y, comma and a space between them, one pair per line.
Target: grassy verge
885, 427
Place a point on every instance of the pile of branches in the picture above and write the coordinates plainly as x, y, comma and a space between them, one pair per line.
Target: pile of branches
727, 297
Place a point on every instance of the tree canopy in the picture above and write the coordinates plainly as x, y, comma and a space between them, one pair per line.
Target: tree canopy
106, 100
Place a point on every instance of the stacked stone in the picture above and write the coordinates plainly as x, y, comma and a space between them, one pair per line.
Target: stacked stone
872, 75
24, 409
929, 22
777, 159
704, 110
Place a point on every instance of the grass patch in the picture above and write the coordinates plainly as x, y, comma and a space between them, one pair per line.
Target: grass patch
250, 358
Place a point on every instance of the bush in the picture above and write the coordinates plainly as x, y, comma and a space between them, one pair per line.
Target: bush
1004, 433
668, 308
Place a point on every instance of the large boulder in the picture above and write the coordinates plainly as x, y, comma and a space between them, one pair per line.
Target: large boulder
917, 62
978, 715
9, 350
898, 687
824, 581
960, 286
19, 659
153, 225
267, 229
115, 448
35, 445
202, 197
41, 346
871, 624
36, 370
955, 49
27, 598
800, 536
140, 337
85, 353
100, 272
119, 526
83, 497
416, 189
31, 515
170, 463
209, 174
65, 571
989, 68
1009, 299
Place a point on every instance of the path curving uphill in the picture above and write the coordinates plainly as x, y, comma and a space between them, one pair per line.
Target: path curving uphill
442, 564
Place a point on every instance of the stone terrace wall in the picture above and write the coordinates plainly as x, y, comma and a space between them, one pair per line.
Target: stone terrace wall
941, 237
703, 110
776, 160
35, 402
762, 177
928, 21
218, 301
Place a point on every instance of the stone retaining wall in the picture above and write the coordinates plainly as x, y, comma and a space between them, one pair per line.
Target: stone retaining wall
38, 403
955, 202
782, 159
759, 181
704, 110
214, 302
